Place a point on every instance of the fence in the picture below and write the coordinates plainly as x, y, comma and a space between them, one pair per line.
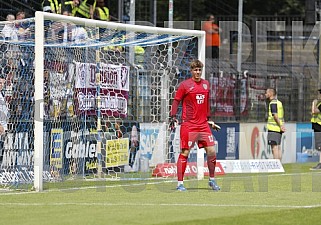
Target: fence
241, 97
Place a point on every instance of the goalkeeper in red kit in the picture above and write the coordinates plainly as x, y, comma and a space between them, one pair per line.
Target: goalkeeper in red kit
195, 128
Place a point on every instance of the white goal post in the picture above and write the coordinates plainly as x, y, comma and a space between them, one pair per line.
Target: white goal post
153, 36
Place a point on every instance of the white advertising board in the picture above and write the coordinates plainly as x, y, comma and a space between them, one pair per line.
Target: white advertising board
254, 145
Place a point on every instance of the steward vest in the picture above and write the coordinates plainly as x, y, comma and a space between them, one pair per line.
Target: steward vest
316, 117
73, 8
271, 124
54, 5
103, 13
139, 50
84, 9
117, 40
139, 54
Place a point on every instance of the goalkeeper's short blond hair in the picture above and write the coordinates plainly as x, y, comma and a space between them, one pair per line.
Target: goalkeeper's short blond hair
196, 64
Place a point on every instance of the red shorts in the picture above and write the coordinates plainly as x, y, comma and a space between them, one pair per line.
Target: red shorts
200, 134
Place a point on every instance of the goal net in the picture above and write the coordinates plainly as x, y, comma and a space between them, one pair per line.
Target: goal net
88, 99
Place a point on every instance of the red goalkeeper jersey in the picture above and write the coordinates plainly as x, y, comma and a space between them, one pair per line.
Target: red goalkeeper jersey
195, 101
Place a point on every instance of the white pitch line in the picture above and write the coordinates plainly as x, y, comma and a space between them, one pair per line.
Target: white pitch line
87, 188
148, 183
161, 204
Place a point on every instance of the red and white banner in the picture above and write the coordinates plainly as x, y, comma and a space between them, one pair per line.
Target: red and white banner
115, 77
113, 84
222, 96
170, 170
112, 103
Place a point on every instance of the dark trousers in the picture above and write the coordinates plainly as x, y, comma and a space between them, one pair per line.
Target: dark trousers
212, 52
1, 152
317, 135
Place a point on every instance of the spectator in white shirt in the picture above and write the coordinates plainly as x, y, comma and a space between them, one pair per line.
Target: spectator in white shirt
3, 107
9, 31
79, 35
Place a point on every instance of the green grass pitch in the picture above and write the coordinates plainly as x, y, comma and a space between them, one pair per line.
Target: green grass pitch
293, 197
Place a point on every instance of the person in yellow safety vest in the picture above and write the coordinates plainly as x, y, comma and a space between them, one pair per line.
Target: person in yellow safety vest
86, 9
53, 6
70, 7
316, 126
112, 47
275, 123
139, 55
101, 12
139, 51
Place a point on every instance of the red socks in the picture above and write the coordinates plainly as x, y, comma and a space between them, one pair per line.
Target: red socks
181, 166
182, 162
211, 163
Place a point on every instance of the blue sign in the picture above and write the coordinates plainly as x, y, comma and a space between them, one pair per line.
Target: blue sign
228, 141
304, 143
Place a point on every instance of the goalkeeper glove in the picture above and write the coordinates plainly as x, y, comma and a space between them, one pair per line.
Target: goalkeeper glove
214, 126
173, 122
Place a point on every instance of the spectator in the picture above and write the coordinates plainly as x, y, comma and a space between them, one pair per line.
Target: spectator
101, 11
22, 26
119, 132
69, 7
133, 145
52, 6
3, 114
59, 32
86, 9
9, 31
9, 71
20, 15
275, 123
78, 34
212, 37
66, 12
63, 32
316, 126
139, 55
117, 39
